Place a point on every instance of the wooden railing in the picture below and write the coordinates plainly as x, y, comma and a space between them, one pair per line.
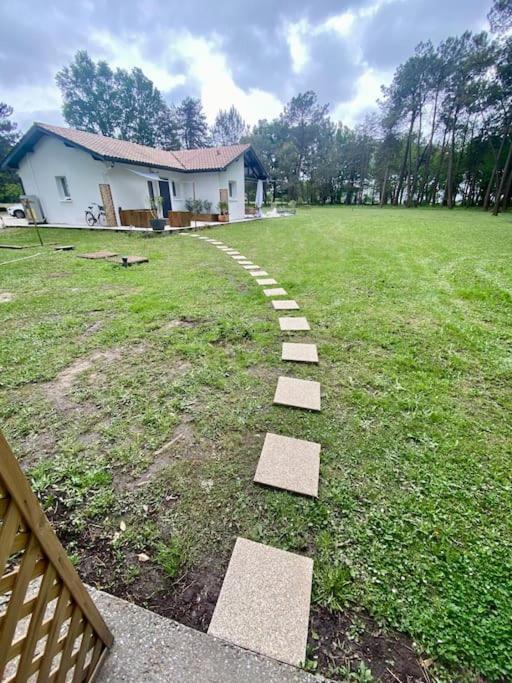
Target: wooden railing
50, 629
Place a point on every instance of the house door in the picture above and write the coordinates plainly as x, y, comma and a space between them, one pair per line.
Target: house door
165, 193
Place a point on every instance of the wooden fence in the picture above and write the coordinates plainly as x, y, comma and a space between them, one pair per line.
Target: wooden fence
140, 218
50, 629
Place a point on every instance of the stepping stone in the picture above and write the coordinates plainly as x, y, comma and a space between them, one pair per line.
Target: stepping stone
298, 393
267, 281
131, 260
239, 257
291, 324
278, 291
285, 305
203, 238
264, 602
216, 242
251, 267
232, 251
258, 273
97, 255
304, 353
223, 248
291, 464
246, 263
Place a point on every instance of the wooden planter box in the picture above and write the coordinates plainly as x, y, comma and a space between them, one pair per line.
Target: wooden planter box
206, 217
179, 219
140, 218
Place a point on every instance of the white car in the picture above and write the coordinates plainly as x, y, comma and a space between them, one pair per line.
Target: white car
16, 211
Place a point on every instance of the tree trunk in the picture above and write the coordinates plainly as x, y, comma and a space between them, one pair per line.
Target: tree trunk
399, 187
494, 170
384, 186
503, 182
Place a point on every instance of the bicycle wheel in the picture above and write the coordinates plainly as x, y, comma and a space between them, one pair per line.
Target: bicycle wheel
89, 218
102, 219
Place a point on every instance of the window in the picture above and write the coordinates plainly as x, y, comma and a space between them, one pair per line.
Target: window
63, 188
232, 189
174, 188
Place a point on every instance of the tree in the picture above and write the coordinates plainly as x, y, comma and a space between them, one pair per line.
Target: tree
500, 16
10, 187
229, 127
118, 104
192, 126
89, 93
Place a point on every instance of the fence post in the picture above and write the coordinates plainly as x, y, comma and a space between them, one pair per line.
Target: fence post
41, 593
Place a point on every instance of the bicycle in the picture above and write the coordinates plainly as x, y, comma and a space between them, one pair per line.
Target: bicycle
94, 216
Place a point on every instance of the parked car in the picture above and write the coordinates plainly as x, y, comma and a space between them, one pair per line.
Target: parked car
16, 211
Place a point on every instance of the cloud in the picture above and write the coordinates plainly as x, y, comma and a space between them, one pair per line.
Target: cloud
255, 57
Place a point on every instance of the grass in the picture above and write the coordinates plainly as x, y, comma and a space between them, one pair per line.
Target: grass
411, 313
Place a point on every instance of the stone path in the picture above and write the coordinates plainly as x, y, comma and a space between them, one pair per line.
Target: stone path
292, 324
291, 464
302, 353
285, 305
298, 393
278, 291
265, 597
264, 601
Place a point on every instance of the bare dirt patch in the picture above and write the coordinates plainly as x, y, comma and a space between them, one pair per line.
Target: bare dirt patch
179, 445
5, 297
341, 641
59, 390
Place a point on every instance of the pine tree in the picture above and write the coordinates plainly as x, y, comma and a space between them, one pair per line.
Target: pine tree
193, 129
229, 127
10, 188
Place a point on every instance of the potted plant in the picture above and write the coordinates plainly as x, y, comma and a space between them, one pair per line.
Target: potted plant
155, 205
223, 212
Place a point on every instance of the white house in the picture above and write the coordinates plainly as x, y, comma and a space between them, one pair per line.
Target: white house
69, 170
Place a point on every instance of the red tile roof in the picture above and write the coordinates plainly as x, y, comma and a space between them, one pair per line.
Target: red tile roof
207, 159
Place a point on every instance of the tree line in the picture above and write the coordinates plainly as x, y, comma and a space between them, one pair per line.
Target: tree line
442, 134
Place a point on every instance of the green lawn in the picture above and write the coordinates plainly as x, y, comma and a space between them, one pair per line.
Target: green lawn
101, 366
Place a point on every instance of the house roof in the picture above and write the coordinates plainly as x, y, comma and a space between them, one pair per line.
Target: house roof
111, 149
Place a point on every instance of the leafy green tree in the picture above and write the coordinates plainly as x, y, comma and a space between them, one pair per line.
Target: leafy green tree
192, 125
89, 93
10, 187
118, 104
229, 127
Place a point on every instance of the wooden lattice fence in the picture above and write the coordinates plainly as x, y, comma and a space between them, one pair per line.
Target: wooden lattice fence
50, 629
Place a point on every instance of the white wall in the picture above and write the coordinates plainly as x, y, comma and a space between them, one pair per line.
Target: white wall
52, 158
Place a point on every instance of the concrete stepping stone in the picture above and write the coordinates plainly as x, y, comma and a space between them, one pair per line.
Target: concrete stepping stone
245, 262
291, 464
252, 267
239, 257
216, 242
93, 255
285, 305
303, 353
298, 393
291, 324
232, 251
130, 260
278, 291
258, 273
267, 281
264, 602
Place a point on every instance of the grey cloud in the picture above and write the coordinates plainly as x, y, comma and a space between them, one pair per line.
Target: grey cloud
396, 28
331, 71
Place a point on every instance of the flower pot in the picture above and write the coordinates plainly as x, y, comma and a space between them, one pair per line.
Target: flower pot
223, 217
158, 223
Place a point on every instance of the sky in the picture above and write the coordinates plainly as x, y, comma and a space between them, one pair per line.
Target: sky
253, 55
